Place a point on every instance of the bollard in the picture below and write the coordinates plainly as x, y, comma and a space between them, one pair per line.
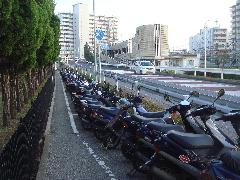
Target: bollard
96, 77
205, 73
195, 73
136, 85
222, 75
104, 78
116, 79
100, 77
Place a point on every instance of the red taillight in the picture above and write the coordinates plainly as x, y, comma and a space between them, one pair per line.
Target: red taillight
184, 159
125, 125
204, 175
94, 114
138, 135
157, 148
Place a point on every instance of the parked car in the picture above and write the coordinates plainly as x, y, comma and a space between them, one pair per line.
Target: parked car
144, 67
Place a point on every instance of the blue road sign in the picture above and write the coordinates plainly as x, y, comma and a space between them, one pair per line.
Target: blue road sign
104, 46
99, 34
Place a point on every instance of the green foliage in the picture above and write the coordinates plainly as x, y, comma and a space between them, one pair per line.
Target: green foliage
222, 59
55, 24
88, 55
28, 28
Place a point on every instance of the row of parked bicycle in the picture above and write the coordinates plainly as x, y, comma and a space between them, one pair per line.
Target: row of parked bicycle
152, 141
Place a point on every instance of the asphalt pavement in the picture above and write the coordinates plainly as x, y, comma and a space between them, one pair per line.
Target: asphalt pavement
72, 153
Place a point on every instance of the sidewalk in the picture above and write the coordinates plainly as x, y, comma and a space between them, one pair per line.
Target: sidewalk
64, 155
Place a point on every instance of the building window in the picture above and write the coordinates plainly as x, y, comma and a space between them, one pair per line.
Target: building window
137, 32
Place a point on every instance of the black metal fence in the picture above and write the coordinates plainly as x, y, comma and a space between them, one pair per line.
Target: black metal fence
21, 156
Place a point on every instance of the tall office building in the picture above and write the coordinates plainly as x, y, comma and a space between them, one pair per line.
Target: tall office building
235, 38
109, 25
80, 29
66, 37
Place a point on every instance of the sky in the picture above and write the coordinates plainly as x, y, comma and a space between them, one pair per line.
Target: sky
184, 18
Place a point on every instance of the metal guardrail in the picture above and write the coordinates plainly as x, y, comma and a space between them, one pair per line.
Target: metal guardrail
210, 70
225, 104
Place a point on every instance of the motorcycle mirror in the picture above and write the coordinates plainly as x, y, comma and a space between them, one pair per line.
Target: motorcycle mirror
167, 97
139, 88
221, 92
194, 94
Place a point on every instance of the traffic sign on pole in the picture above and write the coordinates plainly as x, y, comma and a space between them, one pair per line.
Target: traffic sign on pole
105, 46
99, 34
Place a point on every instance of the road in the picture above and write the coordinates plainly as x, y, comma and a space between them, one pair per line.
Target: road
230, 89
72, 153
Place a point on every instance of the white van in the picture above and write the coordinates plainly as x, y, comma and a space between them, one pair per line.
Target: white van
144, 67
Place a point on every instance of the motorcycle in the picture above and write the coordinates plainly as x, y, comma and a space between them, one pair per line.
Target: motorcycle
190, 154
151, 130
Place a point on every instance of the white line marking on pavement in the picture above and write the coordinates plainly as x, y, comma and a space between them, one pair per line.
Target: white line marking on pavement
51, 111
100, 162
73, 125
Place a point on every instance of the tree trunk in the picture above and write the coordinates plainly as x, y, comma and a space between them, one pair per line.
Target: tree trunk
29, 84
26, 91
18, 94
12, 93
6, 97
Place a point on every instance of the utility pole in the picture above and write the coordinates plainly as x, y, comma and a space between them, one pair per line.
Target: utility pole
95, 53
205, 50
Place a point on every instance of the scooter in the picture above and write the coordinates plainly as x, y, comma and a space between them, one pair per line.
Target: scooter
151, 130
187, 155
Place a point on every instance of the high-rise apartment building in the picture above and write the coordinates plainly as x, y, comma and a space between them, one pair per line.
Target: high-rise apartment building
77, 29
235, 38
109, 25
80, 29
66, 37
151, 41
216, 38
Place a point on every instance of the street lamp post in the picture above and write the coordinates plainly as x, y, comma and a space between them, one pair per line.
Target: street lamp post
205, 50
95, 53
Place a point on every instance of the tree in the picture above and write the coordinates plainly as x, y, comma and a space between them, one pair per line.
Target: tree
88, 55
222, 56
24, 25
29, 34
222, 59
49, 50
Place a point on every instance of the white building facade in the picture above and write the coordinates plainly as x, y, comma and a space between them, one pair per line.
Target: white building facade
80, 29
216, 38
109, 25
77, 29
235, 38
150, 41
66, 40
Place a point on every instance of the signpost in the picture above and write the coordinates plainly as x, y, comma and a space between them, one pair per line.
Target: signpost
99, 34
